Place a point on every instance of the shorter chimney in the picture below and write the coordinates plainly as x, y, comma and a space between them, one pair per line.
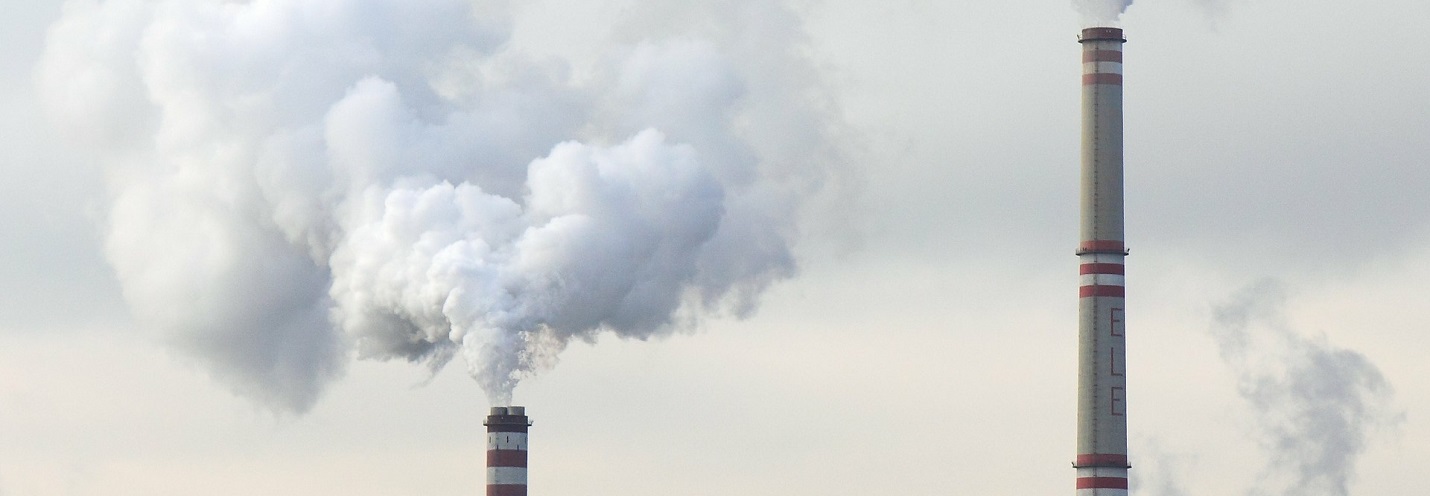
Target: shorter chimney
506, 451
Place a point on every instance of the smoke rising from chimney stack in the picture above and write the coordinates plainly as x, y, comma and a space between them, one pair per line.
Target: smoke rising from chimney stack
296, 181
1101, 13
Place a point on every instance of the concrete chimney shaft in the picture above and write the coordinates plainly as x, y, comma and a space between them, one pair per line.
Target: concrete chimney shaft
1102, 357
506, 451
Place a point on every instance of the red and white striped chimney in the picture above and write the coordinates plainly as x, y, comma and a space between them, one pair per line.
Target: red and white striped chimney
1102, 352
506, 451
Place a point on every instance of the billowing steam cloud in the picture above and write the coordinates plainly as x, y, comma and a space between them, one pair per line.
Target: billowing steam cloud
1316, 404
1101, 12
294, 181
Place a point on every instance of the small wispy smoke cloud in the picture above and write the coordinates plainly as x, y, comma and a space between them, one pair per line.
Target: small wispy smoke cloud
1158, 472
1101, 12
1316, 404
294, 182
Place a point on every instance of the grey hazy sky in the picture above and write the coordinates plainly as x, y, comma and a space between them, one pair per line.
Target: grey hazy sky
926, 345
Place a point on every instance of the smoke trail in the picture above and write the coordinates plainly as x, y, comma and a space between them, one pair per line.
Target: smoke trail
1158, 472
294, 181
1101, 12
1316, 404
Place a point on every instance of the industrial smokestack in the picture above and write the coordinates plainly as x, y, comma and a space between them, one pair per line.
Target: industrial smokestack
1102, 357
506, 451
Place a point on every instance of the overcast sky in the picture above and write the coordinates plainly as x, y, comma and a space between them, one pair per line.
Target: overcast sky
1277, 218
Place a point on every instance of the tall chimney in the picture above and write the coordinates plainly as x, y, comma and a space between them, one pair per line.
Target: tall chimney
1102, 354
506, 451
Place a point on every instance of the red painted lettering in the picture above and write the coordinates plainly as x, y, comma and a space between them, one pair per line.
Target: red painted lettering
1118, 406
1112, 364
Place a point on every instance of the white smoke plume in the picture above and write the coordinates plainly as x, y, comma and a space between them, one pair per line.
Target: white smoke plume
297, 181
1316, 404
1158, 472
1105, 13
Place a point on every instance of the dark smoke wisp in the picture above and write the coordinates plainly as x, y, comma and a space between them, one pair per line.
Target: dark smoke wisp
1317, 405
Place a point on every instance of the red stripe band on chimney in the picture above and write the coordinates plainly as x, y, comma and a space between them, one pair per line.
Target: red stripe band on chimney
1102, 268
1102, 56
1102, 483
1091, 291
1102, 78
1101, 245
1096, 460
506, 458
506, 490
